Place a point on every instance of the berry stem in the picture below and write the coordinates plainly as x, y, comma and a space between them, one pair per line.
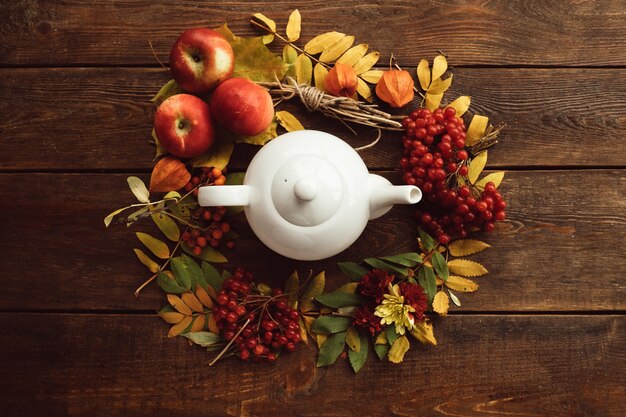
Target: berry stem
229, 343
149, 280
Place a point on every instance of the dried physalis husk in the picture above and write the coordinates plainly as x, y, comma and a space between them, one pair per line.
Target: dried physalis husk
169, 174
395, 87
341, 81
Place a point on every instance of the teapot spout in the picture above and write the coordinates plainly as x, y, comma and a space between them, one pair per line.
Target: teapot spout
383, 195
224, 195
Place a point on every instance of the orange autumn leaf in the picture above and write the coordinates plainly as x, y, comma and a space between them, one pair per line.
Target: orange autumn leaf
169, 174
395, 87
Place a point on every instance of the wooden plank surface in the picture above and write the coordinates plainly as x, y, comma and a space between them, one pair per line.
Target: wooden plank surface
86, 118
502, 32
102, 365
550, 254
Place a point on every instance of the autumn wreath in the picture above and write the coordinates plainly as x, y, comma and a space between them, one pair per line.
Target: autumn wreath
387, 299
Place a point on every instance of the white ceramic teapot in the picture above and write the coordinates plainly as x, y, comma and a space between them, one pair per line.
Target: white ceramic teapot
308, 195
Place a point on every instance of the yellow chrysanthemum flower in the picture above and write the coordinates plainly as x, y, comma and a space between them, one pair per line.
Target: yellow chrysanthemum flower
394, 311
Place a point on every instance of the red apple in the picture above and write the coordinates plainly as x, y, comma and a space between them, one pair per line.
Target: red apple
184, 126
200, 59
242, 106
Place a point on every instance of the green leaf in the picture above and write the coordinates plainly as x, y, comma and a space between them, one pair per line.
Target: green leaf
398, 349
167, 226
186, 271
357, 359
390, 331
426, 278
157, 247
339, 299
212, 277
169, 285
168, 90
208, 254
441, 266
253, 60
409, 259
109, 217
139, 189
217, 157
352, 270
386, 266
427, 241
145, 259
331, 324
203, 339
381, 351
331, 349
262, 138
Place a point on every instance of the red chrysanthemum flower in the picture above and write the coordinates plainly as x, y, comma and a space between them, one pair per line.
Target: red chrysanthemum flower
364, 317
415, 297
374, 284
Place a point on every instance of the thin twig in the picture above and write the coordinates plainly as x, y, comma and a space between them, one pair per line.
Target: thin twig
229, 343
157, 58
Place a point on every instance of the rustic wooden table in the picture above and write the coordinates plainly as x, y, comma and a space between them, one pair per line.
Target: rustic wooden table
544, 336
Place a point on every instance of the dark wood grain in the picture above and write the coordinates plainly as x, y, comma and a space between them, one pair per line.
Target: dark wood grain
552, 253
540, 32
102, 365
101, 118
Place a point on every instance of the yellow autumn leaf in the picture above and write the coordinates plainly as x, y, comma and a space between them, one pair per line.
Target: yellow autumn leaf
319, 74
461, 104
157, 247
465, 247
353, 340
294, 26
315, 288
303, 332
320, 339
466, 268
352, 55
288, 121
308, 322
366, 63
304, 69
440, 65
322, 42
145, 259
337, 49
212, 324
178, 304
423, 74
476, 166
290, 55
439, 281
363, 89
381, 339
171, 317
267, 24
203, 297
441, 303
398, 349
440, 86
211, 291
349, 287
178, 328
167, 226
198, 324
292, 285
192, 302
476, 129
218, 156
372, 76
433, 100
423, 331
461, 284
495, 177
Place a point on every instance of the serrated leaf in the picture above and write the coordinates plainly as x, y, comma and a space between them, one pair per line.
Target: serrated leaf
139, 189
440, 86
322, 42
291, 289
218, 156
186, 271
192, 302
337, 49
178, 304
433, 100
441, 267
381, 351
208, 254
109, 217
315, 288
203, 339
179, 327
391, 334
331, 349
440, 65
363, 89
398, 349
289, 57
265, 24
262, 138
171, 317
372, 76
145, 259
169, 284
167, 226
386, 266
465, 247
476, 129
454, 299
353, 55
466, 268
461, 104
366, 63
319, 75
426, 278
168, 90
427, 241
294, 26
288, 121
304, 69
254, 61
331, 324
203, 297
476, 166
212, 276
339, 299
409, 259
461, 284
353, 340
320, 339
423, 74
157, 247
441, 303
352, 270
423, 331
358, 358
495, 177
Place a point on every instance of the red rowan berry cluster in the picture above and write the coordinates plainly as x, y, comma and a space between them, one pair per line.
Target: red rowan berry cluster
272, 324
434, 154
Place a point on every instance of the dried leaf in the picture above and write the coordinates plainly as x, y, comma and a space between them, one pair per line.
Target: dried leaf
466, 268
461, 104
372, 76
476, 129
139, 189
294, 26
109, 217
304, 69
212, 324
167, 226
398, 349
197, 325
171, 88
315, 288
288, 121
381, 339
322, 42
178, 304
441, 303
260, 139
291, 289
208, 254
145, 259
320, 339
350, 287
178, 328
465, 247
157, 247
495, 177
203, 297
353, 339
364, 90
476, 166
353, 55
171, 317
454, 299
433, 100
218, 156
254, 61
289, 57
366, 63
423, 331
337, 49
440, 65
423, 74
169, 174
331, 349
192, 302
440, 86
461, 284
319, 74
395, 88
266, 24
358, 358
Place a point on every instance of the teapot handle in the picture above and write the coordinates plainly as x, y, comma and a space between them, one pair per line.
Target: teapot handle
224, 195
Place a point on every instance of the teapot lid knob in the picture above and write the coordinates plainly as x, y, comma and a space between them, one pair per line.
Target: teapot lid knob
305, 189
